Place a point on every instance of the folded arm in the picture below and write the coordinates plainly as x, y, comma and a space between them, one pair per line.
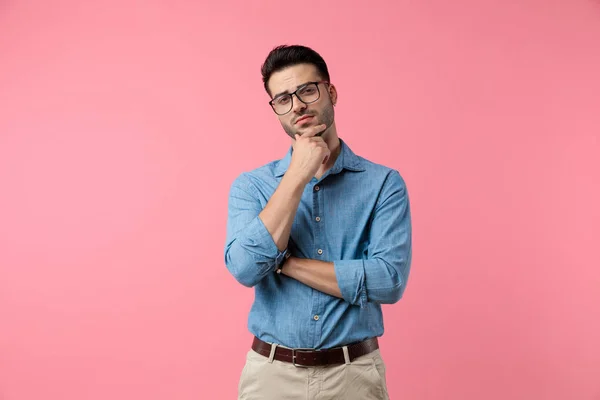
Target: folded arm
382, 277
257, 238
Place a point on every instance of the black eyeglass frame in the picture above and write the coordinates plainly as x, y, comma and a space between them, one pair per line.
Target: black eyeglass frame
295, 93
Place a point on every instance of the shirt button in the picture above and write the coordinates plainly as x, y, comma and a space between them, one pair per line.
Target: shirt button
320, 251
317, 188
316, 317
318, 219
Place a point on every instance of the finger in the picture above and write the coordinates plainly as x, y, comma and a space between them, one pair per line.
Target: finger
315, 130
322, 145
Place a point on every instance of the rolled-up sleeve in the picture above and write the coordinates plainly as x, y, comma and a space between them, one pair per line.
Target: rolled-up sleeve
250, 252
382, 276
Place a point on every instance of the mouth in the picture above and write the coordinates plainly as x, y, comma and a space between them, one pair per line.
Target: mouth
303, 119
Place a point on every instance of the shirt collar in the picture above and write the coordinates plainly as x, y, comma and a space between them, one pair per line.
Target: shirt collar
346, 160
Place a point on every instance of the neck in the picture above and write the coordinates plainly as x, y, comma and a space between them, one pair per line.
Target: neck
334, 145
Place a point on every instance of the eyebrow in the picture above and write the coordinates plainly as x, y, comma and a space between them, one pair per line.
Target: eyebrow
288, 92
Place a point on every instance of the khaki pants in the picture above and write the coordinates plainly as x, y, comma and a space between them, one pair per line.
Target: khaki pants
266, 379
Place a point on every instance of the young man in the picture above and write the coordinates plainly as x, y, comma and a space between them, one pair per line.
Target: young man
324, 237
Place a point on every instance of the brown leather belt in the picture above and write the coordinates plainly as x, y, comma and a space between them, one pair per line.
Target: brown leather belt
313, 358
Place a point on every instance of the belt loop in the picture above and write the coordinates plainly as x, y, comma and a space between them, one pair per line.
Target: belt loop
346, 355
272, 355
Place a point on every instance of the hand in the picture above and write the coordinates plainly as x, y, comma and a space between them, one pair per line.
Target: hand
310, 152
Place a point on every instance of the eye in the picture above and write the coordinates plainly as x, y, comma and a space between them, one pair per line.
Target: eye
308, 90
282, 100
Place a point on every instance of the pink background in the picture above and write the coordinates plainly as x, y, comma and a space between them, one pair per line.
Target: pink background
123, 123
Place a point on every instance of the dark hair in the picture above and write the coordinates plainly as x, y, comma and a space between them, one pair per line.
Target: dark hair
285, 56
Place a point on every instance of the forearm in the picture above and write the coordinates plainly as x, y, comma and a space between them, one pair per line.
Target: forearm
280, 211
385, 282
250, 251
319, 275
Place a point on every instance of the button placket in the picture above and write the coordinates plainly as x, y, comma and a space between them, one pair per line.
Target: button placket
318, 228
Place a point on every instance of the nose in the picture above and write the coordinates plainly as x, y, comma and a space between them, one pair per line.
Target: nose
297, 105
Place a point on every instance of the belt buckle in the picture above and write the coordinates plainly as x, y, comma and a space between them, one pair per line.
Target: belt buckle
294, 357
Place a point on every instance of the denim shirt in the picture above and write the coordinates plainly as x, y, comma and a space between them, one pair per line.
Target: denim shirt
356, 216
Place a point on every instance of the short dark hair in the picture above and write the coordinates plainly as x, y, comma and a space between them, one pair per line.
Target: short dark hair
285, 56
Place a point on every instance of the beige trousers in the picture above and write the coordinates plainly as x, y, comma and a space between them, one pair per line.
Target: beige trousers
265, 379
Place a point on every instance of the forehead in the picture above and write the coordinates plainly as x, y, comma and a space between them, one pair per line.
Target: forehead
288, 79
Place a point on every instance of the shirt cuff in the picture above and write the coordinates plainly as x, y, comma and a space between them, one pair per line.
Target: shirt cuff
260, 236
350, 275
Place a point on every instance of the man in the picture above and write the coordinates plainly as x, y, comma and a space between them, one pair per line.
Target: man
324, 237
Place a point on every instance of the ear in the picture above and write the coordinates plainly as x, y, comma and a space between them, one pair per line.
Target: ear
333, 94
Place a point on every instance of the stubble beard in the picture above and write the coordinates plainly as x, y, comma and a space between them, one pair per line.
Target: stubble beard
326, 117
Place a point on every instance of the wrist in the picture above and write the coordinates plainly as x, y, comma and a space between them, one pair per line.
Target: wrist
280, 266
296, 180
287, 265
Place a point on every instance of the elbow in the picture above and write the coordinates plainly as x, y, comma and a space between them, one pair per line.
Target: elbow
394, 287
245, 280
393, 293
242, 273
244, 268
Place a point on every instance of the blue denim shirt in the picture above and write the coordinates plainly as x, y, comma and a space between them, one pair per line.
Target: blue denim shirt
356, 216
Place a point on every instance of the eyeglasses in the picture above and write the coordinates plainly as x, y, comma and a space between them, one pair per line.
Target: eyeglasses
307, 93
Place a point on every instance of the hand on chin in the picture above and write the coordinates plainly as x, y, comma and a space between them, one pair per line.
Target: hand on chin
303, 129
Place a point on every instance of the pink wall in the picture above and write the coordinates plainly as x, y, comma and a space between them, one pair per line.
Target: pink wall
116, 123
